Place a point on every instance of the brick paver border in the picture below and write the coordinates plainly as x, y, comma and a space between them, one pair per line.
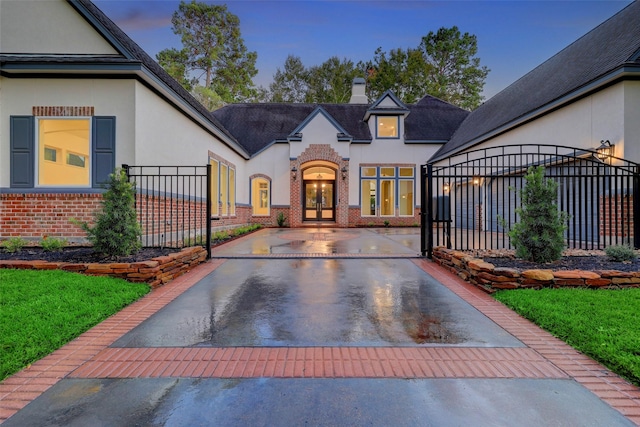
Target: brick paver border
89, 356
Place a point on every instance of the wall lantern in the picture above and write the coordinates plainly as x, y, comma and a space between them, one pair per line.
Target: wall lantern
605, 151
294, 173
344, 171
446, 187
476, 180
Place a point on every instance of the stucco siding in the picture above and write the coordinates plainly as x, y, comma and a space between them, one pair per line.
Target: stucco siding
581, 124
165, 136
319, 130
47, 27
274, 163
108, 97
632, 121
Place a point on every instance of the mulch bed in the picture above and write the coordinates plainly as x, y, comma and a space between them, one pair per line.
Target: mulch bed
586, 263
81, 254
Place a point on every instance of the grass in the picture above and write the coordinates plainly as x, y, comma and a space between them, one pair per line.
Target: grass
600, 323
40, 311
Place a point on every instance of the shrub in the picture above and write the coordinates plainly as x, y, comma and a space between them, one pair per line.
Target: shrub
51, 244
14, 244
539, 236
116, 231
620, 253
281, 219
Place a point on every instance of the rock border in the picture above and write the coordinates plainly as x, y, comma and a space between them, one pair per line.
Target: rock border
490, 278
155, 272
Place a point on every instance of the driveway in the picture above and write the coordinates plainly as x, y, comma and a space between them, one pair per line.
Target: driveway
320, 327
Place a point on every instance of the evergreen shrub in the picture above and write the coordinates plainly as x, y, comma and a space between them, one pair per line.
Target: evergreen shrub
116, 231
539, 236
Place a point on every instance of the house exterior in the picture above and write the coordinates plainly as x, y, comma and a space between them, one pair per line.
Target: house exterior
79, 98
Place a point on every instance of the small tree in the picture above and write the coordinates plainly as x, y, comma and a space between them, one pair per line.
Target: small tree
116, 231
539, 236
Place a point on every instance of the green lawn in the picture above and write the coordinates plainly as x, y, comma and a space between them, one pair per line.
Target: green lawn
40, 311
601, 323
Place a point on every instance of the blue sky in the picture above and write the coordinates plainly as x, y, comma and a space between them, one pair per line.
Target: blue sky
513, 36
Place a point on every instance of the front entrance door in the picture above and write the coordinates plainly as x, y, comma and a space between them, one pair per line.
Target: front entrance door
319, 201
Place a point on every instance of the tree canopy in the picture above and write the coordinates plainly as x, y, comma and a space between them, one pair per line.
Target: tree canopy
216, 67
214, 63
328, 82
443, 65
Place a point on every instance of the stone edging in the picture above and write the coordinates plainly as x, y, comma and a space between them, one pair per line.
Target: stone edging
490, 278
156, 271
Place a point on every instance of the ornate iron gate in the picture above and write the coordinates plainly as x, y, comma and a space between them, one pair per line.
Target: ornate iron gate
465, 196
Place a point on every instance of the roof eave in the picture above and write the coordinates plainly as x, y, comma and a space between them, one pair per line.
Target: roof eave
621, 73
124, 69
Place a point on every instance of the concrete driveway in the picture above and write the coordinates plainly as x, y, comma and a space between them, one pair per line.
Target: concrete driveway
320, 327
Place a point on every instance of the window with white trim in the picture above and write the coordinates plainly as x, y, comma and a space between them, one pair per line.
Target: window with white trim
387, 191
260, 197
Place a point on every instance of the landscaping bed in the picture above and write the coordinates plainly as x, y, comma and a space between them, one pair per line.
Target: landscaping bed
492, 271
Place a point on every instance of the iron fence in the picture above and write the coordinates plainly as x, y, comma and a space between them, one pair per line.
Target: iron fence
470, 200
173, 204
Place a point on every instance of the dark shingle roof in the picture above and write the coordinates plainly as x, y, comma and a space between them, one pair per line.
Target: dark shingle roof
605, 49
256, 126
432, 119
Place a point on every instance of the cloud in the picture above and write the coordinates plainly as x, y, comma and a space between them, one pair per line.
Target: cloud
136, 20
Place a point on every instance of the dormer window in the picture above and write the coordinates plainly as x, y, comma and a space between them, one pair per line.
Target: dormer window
387, 126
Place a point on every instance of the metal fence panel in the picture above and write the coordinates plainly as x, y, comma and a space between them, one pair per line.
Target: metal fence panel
473, 197
173, 204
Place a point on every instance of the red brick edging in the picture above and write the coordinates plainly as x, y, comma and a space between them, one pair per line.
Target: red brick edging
156, 271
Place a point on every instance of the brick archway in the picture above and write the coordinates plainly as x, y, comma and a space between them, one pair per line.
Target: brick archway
320, 152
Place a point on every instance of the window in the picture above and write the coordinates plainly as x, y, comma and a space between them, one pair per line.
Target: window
387, 200
69, 139
215, 180
406, 200
50, 154
61, 151
368, 197
260, 200
406, 197
387, 126
387, 191
223, 189
232, 191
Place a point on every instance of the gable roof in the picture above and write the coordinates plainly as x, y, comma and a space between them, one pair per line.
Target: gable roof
257, 126
606, 54
132, 60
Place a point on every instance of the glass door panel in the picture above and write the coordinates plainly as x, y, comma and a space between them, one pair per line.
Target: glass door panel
319, 201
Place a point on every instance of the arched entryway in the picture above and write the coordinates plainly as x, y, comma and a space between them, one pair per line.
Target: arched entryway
317, 165
319, 193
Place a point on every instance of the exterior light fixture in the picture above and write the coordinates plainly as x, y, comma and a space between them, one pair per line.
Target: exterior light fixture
476, 180
344, 171
294, 173
605, 151
446, 187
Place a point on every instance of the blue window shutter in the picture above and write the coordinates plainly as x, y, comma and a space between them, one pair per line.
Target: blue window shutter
22, 149
104, 149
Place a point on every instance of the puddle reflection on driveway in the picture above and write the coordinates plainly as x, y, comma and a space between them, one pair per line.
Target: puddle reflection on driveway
317, 302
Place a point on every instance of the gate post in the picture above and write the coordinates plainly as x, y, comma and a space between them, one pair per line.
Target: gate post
636, 207
426, 224
208, 209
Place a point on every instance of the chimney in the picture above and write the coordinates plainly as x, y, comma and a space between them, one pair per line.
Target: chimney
358, 95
